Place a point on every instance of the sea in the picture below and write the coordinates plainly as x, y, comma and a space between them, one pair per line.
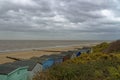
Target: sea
22, 45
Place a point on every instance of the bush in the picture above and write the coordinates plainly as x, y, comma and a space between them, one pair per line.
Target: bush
114, 47
95, 66
102, 67
100, 47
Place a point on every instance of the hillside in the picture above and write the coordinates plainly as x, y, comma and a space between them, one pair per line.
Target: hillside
114, 47
98, 65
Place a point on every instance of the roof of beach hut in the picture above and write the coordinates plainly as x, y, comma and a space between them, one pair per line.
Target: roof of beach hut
5, 69
86, 48
66, 55
62, 54
69, 53
30, 63
74, 51
55, 56
43, 58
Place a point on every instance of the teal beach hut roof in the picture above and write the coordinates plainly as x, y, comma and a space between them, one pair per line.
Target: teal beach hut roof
7, 68
30, 63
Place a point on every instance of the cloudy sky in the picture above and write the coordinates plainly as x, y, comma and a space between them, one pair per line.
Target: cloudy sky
60, 19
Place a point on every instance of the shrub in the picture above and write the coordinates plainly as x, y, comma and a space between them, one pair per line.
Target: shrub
95, 66
100, 47
114, 47
102, 67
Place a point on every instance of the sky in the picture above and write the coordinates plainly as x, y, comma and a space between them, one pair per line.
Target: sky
59, 19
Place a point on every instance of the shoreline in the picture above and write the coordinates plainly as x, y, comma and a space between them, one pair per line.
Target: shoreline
30, 45
38, 52
31, 49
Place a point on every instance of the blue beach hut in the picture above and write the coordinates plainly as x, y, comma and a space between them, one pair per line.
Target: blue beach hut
57, 58
46, 61
78, 53
81, 52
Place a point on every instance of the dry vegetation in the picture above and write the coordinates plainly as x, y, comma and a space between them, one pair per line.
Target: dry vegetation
96, 66
114, 47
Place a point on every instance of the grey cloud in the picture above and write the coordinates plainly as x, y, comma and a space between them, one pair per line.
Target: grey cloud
71, 16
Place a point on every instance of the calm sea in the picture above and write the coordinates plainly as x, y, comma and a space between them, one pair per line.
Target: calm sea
21, 45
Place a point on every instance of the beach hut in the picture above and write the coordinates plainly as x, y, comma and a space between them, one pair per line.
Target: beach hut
83, 50
78, 53
45, 61
86, 50
89, 50
57, 58
12, 72
72, 54
33, 67
65, 55
69, 54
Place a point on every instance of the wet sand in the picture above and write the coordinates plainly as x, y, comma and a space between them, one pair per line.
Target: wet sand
36, 53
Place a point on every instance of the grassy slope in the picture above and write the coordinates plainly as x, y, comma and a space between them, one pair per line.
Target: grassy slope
95, 66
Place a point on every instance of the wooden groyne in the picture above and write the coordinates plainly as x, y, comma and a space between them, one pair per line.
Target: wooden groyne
13, 58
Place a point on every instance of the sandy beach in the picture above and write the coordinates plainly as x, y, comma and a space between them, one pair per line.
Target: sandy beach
36, 53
